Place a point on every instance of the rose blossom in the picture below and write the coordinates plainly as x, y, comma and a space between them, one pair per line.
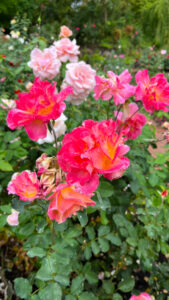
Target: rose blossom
66, 50
25, 185
163, 52
59, 128
117, 86
37, 107
133, 127
92, 149
142, 296
2, 79
153, 92
45, 64
164, 194
81, 77
65, 202
65, 32
12, 219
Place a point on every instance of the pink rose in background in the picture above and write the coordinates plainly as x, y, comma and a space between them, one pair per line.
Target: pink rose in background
9, 104
45, 63
2, 79
103, 88
66, 50
133, 127
94, 25
142, 296
12, 219
37, 107
29, 85
65, 202
121, 55
92, 149
25, 185
81, 77
153, 92
65, 32
77, 28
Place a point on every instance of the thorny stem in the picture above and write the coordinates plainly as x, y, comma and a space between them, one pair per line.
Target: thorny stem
128, 119
53, 131
120, 106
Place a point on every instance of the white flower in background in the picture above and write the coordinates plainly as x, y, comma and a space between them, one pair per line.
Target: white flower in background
9, 104
21, 40
59, 127
11, 48
25, 28
81, 77
13, 21
7, 36
163, 52
12, 219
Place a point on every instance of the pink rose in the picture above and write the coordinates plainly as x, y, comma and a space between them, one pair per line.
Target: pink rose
81, 77
45, 64
163, 52
12, 219
2, 79
65, 32
66, 50
142, 296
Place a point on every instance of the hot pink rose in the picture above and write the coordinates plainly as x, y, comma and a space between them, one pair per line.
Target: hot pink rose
121, 89
25, 185
142, 296
12, 219
65, 202
81, 77
66, 50
153, 92
45, 63
133, 127
35, 108
117, 86
92, 149
65, 32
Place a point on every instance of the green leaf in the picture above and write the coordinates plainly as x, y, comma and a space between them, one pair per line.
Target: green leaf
87, 253
115, 240
153, 179
77, 285
105, 189
82, 217
104, 244
108, 286
90, 232
103, 230
119, 220
27, 229
117, 296
95, 247
91, 277
126, 285
2, 221
87, 296
70, 297
6, 208
5, 166
51, 292
37, 251
22, 287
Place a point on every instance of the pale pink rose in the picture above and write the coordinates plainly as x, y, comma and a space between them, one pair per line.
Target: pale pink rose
65, 32
45, 63
9, 104
81, 77
163, 52
121, 55
67, 50
12, 219
29, 85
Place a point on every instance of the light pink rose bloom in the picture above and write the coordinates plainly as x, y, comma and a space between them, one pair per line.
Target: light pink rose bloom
142, 296
81, 77
9, 104
65, 32
66, 50
12, 219
163, 52
45, 63
2, 79
29, 85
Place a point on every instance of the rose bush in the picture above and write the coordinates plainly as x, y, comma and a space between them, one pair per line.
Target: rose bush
97, 247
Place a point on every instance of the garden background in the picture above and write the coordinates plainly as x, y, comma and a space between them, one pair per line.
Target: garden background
120, 247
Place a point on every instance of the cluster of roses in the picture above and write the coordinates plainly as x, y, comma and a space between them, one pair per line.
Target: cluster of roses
94, 148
